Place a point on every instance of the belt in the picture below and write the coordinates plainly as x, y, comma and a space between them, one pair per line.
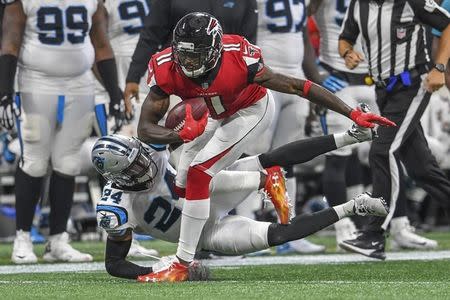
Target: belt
351, 78
405, 78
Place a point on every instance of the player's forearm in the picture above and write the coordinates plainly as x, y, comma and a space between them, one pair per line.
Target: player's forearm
155, 134
443, 51
115, 263
309, 60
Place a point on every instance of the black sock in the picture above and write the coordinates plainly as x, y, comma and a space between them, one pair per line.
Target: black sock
301, 226
61, 198
28, 192
333, 180
297, 152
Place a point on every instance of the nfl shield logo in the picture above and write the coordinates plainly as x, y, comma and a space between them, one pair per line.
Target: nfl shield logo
401, 33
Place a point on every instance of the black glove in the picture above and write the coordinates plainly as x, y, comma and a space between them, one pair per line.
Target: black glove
117, 111
8, 111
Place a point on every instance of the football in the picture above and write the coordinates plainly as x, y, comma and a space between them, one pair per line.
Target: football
175, 117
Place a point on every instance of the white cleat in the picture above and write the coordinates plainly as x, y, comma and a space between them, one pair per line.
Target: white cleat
404, 236
345, 230
23, 249
59, 249
365, 205
136, 250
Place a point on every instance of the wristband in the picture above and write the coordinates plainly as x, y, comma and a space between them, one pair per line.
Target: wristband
306, 87
8, 66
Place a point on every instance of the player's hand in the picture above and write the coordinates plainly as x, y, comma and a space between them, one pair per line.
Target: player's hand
353, 58
368, 119
131, 91
117, 111
334, 84
434, 81
8, 111
192, 128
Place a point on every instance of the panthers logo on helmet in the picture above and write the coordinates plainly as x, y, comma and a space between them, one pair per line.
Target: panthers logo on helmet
99, 162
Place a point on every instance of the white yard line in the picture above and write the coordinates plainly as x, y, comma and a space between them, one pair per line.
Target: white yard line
238, 262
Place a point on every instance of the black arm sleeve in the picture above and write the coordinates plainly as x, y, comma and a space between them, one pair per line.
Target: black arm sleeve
154, 36
350, 28
108, 72
250, 22
430, 13
8, 66
116, 264
298, 152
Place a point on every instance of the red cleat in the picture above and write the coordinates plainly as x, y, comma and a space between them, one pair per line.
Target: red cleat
275, 189
175, 272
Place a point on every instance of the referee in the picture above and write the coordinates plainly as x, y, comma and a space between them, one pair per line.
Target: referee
395, 45
236, 17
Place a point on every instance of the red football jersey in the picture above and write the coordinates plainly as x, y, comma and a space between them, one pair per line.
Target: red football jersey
231, 90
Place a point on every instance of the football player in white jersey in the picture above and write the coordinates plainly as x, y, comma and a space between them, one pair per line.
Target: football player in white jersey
139, 197
352, 86
281, 38
125, 21
54, 43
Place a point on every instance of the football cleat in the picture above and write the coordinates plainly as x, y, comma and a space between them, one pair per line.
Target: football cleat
370, 244
404, 236
345, 230
59, 249
366, 205
302, 246
23, 249
136, 250
275, 191
168, 269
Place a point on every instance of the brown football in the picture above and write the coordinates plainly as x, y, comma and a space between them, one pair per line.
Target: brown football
175, 117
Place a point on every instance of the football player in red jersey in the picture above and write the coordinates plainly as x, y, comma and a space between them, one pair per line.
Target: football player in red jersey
229, 73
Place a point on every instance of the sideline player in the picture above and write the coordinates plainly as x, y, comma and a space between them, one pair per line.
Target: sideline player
139, 197
229, 73
352, 86
55, 44
285, 44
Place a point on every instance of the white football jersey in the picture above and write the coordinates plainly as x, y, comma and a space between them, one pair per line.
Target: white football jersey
329, 19
154, 212
280, 34
125, 21
56, 39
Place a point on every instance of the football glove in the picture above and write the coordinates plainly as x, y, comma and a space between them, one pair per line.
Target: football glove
334, 84
192, 128
368, 119
8, 111
117, 111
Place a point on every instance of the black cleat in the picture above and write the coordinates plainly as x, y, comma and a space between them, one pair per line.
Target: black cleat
370, 244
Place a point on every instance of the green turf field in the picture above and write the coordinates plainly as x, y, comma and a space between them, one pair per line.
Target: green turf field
367, 280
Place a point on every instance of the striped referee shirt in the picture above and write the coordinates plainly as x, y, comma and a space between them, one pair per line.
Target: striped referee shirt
393, 32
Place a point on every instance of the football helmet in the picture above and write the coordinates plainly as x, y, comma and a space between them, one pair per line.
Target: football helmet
197, 43
124, 160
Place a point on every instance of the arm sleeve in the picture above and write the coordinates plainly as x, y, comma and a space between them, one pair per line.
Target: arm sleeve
116, 264
430, 13
154, 35
250, 22
350, 28
445, 5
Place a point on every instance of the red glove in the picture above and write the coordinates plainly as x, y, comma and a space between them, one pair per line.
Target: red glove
192, 128
369, 119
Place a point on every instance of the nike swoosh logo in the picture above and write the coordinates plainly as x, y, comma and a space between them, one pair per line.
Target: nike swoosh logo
375, 243
421, 244
20, 256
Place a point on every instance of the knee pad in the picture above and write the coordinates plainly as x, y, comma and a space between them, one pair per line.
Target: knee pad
197, 186
35, 167
68, 165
